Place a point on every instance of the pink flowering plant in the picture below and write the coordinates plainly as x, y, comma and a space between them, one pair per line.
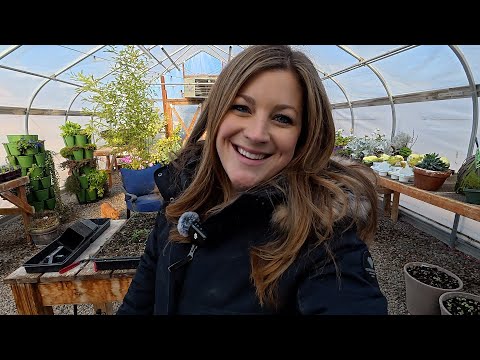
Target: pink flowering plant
134, 162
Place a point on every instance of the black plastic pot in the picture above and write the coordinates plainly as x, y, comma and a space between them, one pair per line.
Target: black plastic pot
116, 263
67, 247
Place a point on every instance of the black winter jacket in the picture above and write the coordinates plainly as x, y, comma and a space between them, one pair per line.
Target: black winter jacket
217, 279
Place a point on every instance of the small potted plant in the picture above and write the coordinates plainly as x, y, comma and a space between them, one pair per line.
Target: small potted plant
459, 303
44, 227
468, 179
68, 132
431, 172
424, 283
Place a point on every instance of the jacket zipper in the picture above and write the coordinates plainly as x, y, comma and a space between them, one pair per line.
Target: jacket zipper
184, 261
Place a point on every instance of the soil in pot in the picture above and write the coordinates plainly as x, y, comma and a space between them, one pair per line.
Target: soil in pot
424, 284
130, 239
433, 277
459, 303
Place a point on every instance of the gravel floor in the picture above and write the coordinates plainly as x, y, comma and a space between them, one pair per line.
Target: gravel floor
395, 245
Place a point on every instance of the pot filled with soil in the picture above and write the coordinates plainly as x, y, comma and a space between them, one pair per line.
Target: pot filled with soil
424, 283
459, 303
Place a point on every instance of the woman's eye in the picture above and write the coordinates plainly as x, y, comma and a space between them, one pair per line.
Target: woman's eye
241, 108
283, 119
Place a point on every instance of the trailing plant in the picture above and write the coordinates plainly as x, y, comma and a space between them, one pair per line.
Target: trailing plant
66, 152
122, 110
72, 184
51, 170
70, 128
75, 165
32, 169
433, 162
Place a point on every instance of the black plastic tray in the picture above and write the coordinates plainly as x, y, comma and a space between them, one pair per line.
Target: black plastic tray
116, 263
67, 247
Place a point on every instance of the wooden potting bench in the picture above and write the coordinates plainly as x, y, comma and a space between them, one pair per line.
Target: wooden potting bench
444, 198
19, 200
36, 293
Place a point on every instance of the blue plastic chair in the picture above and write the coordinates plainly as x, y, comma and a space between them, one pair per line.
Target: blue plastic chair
139, 186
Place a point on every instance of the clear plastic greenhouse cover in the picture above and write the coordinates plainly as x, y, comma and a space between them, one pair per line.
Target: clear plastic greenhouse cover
430, 91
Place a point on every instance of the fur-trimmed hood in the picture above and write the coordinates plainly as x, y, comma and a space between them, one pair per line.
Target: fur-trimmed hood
359, 206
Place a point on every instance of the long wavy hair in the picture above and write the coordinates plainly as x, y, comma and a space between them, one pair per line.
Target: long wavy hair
320, 191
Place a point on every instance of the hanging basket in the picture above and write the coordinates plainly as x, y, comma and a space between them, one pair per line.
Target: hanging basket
428, 179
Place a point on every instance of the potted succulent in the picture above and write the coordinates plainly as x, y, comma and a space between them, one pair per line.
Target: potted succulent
459, 303
424, 283
431, 172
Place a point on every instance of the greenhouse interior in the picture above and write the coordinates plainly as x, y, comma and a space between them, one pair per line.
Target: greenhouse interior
72, 118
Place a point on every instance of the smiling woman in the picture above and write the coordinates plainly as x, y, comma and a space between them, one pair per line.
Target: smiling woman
278, 223
258, 135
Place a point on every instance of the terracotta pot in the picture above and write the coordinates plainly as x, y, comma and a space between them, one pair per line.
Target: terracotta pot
422, 299
428, 179
452, 294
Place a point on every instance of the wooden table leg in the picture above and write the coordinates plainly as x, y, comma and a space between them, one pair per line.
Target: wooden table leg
103, 308
26, 218
109, 171
28, 300
387, 200
396, 201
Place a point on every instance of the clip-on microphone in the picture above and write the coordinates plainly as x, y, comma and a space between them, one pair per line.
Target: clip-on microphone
189, 226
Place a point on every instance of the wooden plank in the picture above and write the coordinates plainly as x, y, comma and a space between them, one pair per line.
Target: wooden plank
115, 225
103, 308
124, 273
13, 184
21, 276
185, 101
26, 215
105, 151
84, 291
17, 201
440, 200
166, 107
28, 300
88, 272
10, 211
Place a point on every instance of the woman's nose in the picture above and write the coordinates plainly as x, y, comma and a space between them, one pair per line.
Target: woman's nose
256, 130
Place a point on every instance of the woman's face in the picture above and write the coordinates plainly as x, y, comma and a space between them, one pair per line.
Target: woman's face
258, 134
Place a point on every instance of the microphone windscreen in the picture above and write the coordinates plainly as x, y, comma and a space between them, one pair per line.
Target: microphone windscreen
185, 221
